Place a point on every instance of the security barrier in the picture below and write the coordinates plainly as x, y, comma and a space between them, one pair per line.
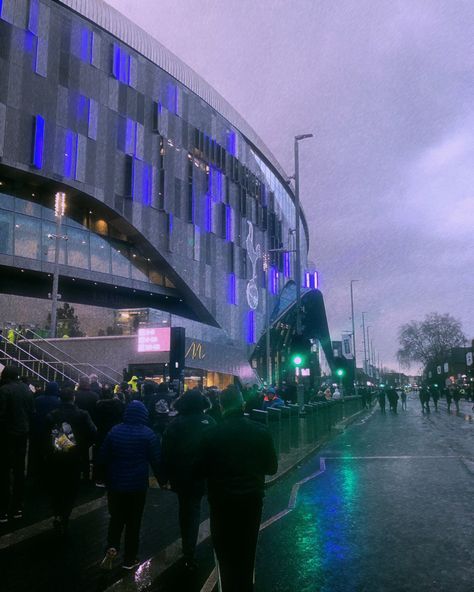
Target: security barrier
294, 431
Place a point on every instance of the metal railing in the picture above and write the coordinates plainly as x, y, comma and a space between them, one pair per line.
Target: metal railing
67, 361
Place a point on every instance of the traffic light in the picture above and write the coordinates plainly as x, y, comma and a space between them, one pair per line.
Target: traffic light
340, 372
300, 349
297, 360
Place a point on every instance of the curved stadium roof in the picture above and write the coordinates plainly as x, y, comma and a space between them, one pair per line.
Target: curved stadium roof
122, 28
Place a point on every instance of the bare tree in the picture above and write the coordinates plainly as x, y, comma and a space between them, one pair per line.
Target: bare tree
429, 340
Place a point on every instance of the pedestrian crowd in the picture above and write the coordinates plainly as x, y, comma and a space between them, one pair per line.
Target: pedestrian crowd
426, 393
118, 436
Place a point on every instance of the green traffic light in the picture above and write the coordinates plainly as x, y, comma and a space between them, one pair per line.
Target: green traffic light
297, 360
340, 372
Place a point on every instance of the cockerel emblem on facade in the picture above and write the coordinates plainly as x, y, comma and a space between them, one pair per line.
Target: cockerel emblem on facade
254, 254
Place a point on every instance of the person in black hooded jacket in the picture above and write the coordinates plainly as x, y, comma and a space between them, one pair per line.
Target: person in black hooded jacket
64, 466
181, 442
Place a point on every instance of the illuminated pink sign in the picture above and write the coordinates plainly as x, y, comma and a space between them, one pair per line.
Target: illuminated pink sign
154, 340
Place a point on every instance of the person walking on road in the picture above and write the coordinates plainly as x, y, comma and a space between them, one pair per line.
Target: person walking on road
457, 397
71, 432
129, 448
392, 399
403, 396
435, 396
449, 397
235, 457
180, 448
381, 397
424, 395
86, 399
16, 412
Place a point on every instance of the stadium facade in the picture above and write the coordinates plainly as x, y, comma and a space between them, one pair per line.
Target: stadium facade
172, 198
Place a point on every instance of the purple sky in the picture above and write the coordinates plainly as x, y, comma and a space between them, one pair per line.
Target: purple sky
387, 183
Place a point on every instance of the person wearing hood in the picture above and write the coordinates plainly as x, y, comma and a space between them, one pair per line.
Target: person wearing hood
129, 448
71, 432
45, 403
108, 413
271, 400
16, 412
181, 443
235, 456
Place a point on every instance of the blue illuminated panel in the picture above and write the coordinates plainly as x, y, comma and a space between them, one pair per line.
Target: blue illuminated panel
228, 223
231, 143
232, 295
173, 101
33, 16
69, 150
286, 264
273, 280
208, 213
251, 326
38, 142
146, 188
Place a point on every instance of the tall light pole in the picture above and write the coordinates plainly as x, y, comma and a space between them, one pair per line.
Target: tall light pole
353, 331
300, 386
365, 343
59, 211
369, 371
297, 221
266, 266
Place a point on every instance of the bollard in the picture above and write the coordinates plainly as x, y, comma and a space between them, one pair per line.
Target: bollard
274, 424
285, 429
294, 425
308, 424
260, 416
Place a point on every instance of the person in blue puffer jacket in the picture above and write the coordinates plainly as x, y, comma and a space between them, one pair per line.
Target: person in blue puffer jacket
128, 450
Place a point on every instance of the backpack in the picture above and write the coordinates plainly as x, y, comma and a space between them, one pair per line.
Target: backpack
162, 407
62, 438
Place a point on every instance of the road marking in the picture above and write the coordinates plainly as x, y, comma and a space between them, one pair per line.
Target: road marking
344, 457
211, 581
18, 536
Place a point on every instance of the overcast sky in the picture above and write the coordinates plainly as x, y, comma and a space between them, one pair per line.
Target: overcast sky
387, 184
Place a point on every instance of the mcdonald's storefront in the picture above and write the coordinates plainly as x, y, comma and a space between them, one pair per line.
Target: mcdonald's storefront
206, 363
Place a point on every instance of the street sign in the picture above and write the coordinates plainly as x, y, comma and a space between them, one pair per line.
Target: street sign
469, 359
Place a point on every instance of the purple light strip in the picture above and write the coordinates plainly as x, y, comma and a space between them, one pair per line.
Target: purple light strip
232, 299
228, 223
251, 326
38, 142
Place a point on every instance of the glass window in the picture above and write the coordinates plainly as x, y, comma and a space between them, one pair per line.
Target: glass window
48, 244
27, 207
27, 237
78, 248
6, 232
6, 202
120, 264
138, 274
100, 254
156, 278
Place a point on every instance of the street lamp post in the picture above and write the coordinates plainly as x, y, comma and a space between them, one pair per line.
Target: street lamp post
299, 387
297, 235
369, 359
365, 343
353, 332
59, 210
266, 265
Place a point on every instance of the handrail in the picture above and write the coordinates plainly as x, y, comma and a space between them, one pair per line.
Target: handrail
7, 355
35, 359
74, 361
48, 363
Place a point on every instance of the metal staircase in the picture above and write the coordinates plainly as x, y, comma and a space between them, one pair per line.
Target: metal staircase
44, 361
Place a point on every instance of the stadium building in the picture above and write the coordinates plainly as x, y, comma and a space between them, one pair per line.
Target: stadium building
172, 199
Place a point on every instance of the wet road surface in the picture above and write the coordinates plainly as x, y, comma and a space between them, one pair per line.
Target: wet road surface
386, 506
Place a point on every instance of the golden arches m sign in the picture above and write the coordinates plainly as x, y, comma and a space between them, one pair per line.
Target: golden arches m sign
196, 351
